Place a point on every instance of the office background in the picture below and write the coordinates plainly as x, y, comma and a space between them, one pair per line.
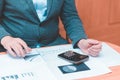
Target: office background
101, 19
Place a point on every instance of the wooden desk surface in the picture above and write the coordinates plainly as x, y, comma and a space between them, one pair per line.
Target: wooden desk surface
117, 48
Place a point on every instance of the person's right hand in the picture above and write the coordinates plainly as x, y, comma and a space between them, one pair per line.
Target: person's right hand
15, 46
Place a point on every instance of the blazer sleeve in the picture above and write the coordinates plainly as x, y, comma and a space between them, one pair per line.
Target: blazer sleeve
3, 32
72, 22
1, 7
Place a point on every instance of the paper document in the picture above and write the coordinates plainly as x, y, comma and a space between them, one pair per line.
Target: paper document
42, 62
64, 70
108, 56
23, 69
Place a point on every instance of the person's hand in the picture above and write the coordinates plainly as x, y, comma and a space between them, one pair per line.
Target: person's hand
90, 46
15, 46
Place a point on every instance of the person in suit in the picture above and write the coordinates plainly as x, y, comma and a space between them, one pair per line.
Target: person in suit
26, 24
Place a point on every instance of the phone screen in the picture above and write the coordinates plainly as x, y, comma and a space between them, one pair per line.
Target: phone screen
74, 57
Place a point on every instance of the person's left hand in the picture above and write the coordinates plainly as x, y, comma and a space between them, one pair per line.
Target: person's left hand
90, 46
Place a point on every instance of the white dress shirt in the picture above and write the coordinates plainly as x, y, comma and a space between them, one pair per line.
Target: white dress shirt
41, 9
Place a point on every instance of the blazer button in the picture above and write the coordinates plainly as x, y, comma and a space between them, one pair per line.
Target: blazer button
38, 45
40, 24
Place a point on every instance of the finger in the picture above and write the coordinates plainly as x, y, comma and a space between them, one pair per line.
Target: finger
26, 48
24, 45
20, 50
91, 53
94, 52
16, 50
92, 41
95, 48
10, 51
99, 46
85, 51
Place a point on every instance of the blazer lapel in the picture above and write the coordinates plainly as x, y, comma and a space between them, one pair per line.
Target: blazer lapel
49, 7
31, 5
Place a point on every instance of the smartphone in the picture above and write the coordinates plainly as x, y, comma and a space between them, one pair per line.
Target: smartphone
73, 57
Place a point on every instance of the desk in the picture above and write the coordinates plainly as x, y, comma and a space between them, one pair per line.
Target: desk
110, 76
115, 75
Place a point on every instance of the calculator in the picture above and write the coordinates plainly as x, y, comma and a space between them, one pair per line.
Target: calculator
73, 57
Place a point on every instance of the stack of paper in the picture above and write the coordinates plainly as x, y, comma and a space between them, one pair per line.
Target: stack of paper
44, 64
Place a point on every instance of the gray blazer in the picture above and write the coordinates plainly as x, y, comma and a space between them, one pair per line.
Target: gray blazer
19, 19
